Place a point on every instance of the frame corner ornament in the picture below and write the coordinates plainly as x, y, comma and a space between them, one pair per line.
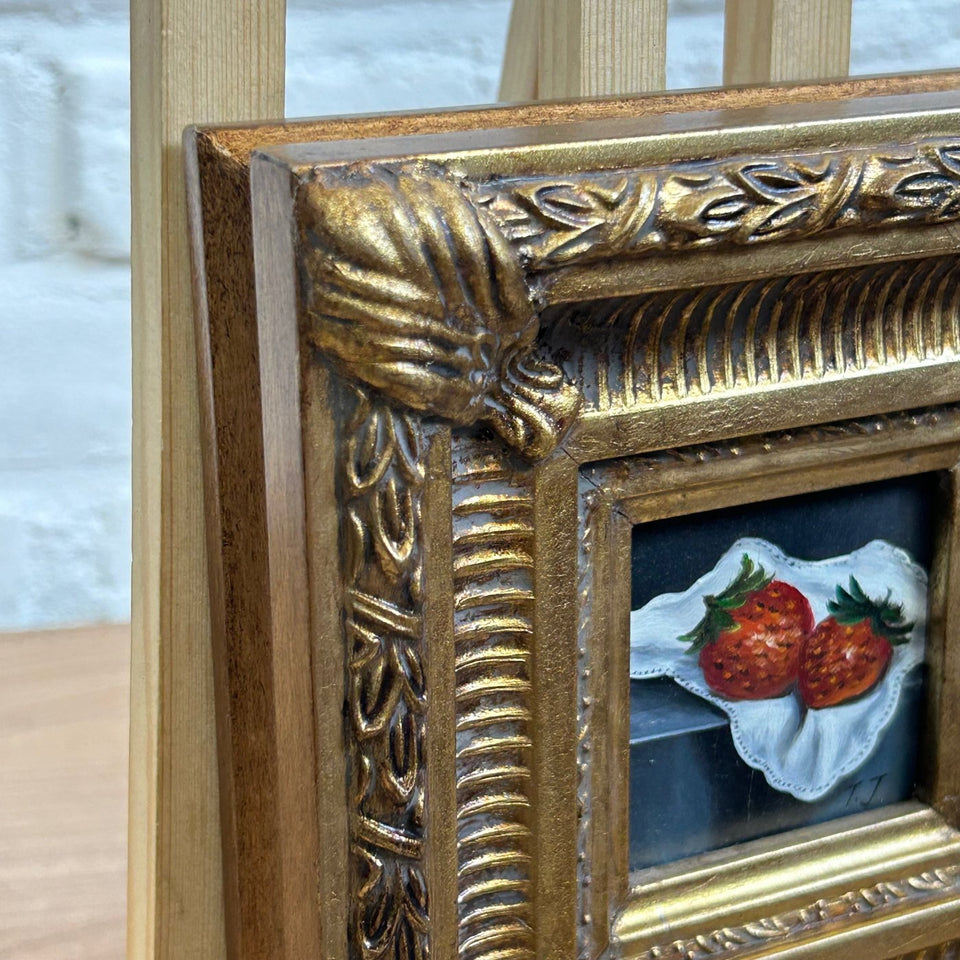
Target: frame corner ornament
413, 290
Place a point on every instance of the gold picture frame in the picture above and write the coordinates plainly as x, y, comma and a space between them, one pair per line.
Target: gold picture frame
444, 374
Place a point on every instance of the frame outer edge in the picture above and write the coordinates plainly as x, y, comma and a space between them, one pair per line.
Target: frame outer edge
214, 529
272, 195
556, 620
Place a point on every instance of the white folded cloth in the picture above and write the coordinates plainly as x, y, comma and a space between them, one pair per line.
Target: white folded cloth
801, 751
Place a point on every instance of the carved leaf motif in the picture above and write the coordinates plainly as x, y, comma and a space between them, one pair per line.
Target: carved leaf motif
753, 202
925, 188
410, 455
375, 696
726, 211
369, 451
773, 178
355, 537
394, 526
381, 482
394, 917
949, 156
401, 773
410, 668
786, 217
903, 187
597, 216
936, 194
565, 221
364, 780
371, 869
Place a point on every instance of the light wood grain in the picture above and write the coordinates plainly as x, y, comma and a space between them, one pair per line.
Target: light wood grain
261, 644
521, 60
597, 47
194, 61
63, 793
774, 40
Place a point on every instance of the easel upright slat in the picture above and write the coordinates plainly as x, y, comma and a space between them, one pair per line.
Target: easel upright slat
193, 61
592, 48
774, 40
521, 61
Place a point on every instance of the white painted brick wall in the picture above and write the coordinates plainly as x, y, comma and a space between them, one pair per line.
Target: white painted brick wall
64, 231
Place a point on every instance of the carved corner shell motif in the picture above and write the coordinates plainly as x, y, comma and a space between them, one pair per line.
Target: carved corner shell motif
411, 289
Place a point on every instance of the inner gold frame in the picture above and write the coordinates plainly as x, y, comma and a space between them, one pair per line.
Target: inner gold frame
808, 873
422, 704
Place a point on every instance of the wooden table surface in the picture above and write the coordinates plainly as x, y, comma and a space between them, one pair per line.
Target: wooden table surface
64, 708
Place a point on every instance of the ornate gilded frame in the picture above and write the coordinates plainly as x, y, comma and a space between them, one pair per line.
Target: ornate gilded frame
478, 360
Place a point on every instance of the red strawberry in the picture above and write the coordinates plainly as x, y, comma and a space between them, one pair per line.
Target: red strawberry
848, 653
750, 638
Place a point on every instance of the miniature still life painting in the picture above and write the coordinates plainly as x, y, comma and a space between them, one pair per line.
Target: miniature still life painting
777, 664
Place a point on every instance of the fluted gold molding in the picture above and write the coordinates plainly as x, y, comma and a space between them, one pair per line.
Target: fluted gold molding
684, 344
493, 540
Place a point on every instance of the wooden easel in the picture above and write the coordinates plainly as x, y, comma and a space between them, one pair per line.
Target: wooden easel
215, 61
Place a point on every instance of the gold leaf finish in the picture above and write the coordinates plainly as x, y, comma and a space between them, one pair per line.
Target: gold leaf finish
821, 918
413, 290
493, 632
574, 320
716, 340
738, 201
381, 486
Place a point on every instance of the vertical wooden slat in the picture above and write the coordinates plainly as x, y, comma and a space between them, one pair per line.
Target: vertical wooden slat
774, 40
193, 61
591, 48
521, 61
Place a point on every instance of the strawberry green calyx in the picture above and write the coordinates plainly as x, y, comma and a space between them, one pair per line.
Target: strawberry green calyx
886, 618
750, 579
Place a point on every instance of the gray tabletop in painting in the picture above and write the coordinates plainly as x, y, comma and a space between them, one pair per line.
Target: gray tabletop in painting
690, 792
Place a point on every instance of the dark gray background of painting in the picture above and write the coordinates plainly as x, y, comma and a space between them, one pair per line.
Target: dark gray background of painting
689, 790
